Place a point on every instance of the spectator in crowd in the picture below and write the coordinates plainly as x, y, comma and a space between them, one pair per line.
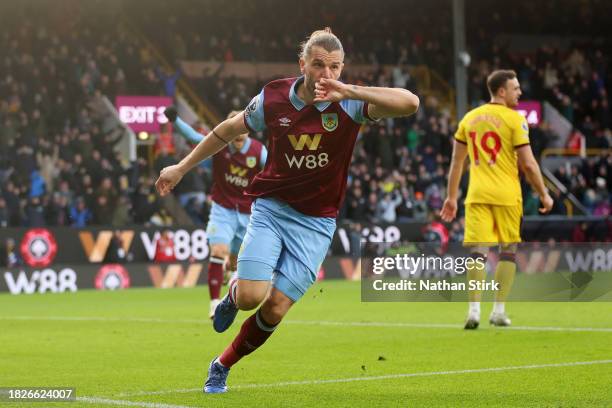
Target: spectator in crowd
4, 213
12, 254
168, 79
35, 213
57, 211
58, 153
385, 210
80, 214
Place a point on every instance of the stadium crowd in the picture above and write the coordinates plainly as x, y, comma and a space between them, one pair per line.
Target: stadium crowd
589, 181
240, 31
57, 167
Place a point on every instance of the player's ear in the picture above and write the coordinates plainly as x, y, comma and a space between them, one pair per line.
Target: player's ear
302, 65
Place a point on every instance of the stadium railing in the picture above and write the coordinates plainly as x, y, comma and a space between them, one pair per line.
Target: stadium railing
207, 113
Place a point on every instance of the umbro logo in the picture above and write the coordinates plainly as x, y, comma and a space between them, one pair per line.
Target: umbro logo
285, 121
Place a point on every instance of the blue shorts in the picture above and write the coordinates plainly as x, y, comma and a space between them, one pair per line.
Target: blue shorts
284, 245
226, 226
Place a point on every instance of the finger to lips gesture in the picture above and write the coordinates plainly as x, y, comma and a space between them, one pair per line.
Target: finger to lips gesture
329, 90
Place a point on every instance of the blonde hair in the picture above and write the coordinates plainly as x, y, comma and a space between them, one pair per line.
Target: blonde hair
321, 38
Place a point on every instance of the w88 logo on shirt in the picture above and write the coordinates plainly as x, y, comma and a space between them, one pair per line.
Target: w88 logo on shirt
236, 176
308, 161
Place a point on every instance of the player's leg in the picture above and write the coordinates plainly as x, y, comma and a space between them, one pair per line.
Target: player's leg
479, 234
305, 241
245, 293
476, 272
280, 238
218, 255
260, 326
508, 220
231, 265
257, 328
221, 229
253, 334
257, 259
504, 275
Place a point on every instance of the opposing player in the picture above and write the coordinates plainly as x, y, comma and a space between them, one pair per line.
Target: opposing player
312, 123
232, 171
496, 138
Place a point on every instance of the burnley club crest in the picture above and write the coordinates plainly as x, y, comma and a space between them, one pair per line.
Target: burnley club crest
330, 121
251, 161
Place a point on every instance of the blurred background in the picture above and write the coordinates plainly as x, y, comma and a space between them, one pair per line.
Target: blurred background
83, 137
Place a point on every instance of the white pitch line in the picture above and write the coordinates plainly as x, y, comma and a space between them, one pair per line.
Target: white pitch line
124, 403
382, 377
149, 393
105, 319
443, 326
306, 322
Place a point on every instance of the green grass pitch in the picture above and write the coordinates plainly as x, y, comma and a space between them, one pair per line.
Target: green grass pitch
151, 348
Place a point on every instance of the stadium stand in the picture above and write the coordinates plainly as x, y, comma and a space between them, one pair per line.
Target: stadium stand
56, 168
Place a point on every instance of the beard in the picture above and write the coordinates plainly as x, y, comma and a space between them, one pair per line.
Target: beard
310, 85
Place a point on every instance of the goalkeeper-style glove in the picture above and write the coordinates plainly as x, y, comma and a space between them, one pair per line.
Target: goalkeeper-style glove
171, 113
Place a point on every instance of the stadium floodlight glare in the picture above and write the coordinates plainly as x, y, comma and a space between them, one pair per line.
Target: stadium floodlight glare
144, 136
465, 58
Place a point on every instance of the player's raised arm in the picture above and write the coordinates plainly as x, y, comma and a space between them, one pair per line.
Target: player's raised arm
529, 166
383, 102
219, 137
189, 133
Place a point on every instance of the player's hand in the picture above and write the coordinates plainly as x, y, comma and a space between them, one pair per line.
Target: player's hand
449, 210
547, 204
171, 113
330, 90
169, 177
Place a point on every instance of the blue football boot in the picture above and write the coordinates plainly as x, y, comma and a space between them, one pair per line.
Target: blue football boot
225, 313
217, 377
